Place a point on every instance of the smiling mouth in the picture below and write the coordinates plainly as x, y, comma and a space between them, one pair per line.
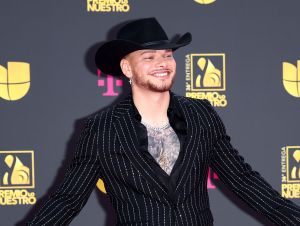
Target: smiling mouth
161, 74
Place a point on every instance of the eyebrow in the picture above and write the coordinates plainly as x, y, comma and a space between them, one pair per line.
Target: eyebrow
148, 51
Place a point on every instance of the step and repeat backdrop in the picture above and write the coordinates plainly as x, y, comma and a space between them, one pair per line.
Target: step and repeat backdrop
49, 84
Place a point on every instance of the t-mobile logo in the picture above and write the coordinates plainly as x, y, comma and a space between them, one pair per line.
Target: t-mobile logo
108, 82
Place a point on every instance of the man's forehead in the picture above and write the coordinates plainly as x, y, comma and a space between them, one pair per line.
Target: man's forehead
141, 52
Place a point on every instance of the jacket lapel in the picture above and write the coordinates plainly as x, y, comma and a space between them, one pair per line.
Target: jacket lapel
126, 132
190, 145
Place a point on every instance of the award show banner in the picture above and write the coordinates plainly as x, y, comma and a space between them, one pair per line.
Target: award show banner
244, 58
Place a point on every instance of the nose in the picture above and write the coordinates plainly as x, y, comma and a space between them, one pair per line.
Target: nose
161, 62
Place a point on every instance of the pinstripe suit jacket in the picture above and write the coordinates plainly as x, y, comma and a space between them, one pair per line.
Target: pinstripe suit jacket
107, 149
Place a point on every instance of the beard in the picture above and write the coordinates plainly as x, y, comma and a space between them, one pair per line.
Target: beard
156, 86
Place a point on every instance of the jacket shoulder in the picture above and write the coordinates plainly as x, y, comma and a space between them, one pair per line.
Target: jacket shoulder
204, 110
97, 118
195, 104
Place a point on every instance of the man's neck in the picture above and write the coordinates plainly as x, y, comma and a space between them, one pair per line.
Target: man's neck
152, 106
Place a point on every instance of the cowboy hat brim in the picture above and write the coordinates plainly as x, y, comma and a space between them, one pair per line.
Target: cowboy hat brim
109, 55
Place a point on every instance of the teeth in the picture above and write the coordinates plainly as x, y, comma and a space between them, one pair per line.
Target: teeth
161, 74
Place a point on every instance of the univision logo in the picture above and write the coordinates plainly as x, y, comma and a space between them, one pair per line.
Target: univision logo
14, 81
291, 78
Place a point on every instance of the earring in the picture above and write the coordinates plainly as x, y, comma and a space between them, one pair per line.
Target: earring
130, 81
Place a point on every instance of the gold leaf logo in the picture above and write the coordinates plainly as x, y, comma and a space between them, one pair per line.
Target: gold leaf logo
295, 173
20, 174
212, 75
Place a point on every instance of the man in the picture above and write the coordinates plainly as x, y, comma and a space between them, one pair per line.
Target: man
154, 148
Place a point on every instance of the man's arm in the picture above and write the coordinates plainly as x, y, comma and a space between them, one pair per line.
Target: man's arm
246, 183
79, 181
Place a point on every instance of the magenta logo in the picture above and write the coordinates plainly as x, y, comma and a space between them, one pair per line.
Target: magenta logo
211, 176
109, 82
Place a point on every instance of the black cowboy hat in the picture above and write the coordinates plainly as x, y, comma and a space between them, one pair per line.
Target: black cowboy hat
136, 35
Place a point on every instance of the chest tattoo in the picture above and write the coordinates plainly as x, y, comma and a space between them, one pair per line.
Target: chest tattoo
164, 146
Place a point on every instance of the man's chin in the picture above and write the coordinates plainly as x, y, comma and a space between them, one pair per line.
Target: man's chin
156, 87
161, 89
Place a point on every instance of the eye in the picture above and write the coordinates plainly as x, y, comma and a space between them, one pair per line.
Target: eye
148, 57
169, 55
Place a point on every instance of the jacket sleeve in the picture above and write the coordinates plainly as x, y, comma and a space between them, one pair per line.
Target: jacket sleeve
79, 181
246, 183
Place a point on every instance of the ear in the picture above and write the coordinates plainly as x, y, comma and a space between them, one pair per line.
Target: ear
126, 68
